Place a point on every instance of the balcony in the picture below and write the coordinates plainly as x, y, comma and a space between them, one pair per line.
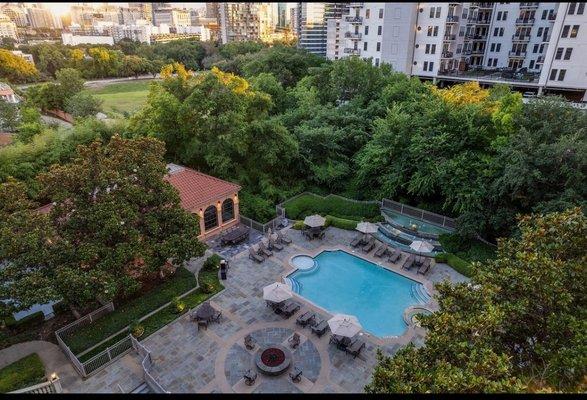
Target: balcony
353, 35
517, 54
467, 52
356, 4
469, 36
485, 5
352, 52
521, 38
540, 60
528, 6
525, 21
446, 54
354, 20
452, 19
552, 17
480, 37
449, 37
483, 22
478, 52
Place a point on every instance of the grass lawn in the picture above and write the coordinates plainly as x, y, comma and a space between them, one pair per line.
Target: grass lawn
25, 372
124, 96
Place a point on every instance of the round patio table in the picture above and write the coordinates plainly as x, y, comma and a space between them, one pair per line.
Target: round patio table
205, 311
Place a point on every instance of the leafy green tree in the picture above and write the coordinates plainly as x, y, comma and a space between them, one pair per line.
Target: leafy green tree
519, 325
114, 225
30, 124
83, 104
8, 116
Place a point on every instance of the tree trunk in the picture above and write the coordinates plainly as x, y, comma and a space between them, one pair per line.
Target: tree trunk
74, 311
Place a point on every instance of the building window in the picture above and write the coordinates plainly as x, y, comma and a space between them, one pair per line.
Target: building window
492, 47
431, 66
501, 30
539, 32
581, 8
381, 13
432, 10
565, 32
561, 74
227, 210
531, 64
436, 30
505, 16
429, 33
498, 47
544, 13
495, 62
465, 13
365, 46
499, 15
568, 53
210, 218
535, 49
574, 31
559, 53
541, 48
427, 51
379, 28
433, 49
495, 31
438, 12
366, 30
378, 46
572, 8
553, 74
376, 62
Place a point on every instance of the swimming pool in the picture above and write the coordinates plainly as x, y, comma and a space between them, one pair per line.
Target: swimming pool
407, 221
343, 283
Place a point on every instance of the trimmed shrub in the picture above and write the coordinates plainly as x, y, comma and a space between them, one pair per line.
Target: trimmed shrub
309, 204
31, 320
458, 264
341, 223
298, 225
212, 263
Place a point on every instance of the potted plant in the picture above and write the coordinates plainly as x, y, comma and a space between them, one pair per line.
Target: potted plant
136, 329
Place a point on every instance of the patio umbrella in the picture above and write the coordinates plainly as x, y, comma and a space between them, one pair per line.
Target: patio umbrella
367, 227
344, 325
205, 311
314, 221
277, 292
421, 246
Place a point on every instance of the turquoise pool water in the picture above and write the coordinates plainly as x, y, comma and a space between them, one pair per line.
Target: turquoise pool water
407, 221
343, 283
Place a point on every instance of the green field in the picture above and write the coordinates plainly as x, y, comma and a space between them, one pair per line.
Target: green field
125, 96
25, 372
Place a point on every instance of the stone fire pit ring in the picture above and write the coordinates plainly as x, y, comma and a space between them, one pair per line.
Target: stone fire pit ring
273, 360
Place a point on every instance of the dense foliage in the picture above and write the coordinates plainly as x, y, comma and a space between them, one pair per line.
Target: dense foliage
115, 225
16, 69
519, 325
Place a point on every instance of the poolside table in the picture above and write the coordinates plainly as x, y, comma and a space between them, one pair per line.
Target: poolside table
238, 235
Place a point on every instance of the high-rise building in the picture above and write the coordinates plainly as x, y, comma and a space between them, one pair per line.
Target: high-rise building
282, 15
7, 27
16, 13
145, 10
312, 24
238, 22
212, 10
43, 18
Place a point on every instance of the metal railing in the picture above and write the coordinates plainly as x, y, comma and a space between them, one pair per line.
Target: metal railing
450, 37
355, 52
427, 216
51, 386
106, 357
353, 35
147, 365
354, 20
452, 18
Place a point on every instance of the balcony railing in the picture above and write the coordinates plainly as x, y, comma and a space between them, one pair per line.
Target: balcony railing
540, 60
551, 17
480, 37
482, 22
517, 54
521, 38
354, 52
452, 18
477, 52
485, 5
450, 37
467, 52
353, 35
446, 54
525, 21
525, 6
354, 20
356, 4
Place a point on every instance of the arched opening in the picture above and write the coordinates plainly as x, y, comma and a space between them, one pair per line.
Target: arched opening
210, 218
227, 210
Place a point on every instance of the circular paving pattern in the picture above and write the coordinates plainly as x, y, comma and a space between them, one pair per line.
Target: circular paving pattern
273, 360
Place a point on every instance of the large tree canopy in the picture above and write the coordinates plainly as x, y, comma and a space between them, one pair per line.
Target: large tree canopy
519, 325
115, 224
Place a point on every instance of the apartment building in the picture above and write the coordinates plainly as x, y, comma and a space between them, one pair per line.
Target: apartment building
16, 13
382, 32
42, 18
172, 17
312, 24
7, 27
238, 21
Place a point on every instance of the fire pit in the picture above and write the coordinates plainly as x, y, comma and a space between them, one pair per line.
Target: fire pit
273, 360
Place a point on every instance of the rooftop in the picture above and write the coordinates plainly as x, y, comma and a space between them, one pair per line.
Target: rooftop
5, 139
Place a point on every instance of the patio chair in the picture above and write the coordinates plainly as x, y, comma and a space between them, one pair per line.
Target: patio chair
320, 328
282, 238
250, 376
306, 232
409, 262
320, 233
358, 240
369, 245
395, 256
254, 256
290, 309
249, 342
294, 341
425, 266
264, 250
355, 347
202, 323
296, 374
381, 250
341, 342
305, 318
274, 245
216, 317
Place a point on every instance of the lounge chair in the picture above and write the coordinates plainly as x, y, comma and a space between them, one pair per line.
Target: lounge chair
294, 341
274, 245
381, 250
249, 342
341, 342
425, 267
358, 240
296, 375
250, 376
290, 309
320, 328
264, 250
254, 256
395, 256
282, 238
355, 347
305, 318
369, 245
409, 262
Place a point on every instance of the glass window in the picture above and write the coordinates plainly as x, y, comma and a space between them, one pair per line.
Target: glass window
559, 53
379, 28
227, 210
429, 31
499, 15
436, 30
505, 15
581, 8
367, 13
432, 9
378, 46
427, 51
425, 65
539, 32
498, 47
495, 31
561, 74
433, 49
366, 30
535, 49
531, 64
553, 74
365, 46
437, 12
565, 32
376, 62
544, 13
572, 8
574, 31
431, 67
210, 218
381, 13
568, 53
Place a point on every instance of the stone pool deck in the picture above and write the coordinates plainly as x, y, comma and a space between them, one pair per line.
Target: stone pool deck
213, 361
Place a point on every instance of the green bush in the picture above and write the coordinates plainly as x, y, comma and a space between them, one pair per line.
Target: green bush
25, 372
61, 308
467, 249
341, 223
298, 225
212, 263
29, 321
458, 264
309, 204
182, 281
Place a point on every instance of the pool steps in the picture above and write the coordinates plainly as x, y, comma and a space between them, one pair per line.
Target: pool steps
420, 293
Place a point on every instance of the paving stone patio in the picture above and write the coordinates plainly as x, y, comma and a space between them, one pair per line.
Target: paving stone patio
213, 360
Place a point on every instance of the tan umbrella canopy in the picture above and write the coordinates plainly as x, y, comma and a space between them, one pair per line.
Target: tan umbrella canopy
422, 246
367, 227
277, 292
314, 221
344, 325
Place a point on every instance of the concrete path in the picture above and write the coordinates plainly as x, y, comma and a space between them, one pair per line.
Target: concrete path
51, 355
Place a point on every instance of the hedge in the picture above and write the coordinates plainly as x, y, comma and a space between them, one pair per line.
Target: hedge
182, 281
309, 204
341, 223
23, 373
458, 264
465, 248
29, 321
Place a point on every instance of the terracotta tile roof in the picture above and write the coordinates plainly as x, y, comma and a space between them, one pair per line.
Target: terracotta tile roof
5, 139
198, 190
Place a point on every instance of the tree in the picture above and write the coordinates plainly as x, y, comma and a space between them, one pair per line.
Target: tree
83, 104
30, 124
16, 69
134, 65
8, 116
70, 82
519, 325
114, 225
